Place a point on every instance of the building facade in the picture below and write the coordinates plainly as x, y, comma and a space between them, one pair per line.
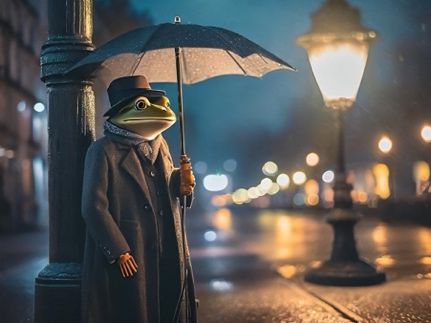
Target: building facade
23, 122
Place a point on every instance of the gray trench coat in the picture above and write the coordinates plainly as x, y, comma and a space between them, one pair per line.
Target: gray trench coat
117, 209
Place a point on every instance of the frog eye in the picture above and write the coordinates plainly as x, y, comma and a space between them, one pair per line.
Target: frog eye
167, 104
141, 104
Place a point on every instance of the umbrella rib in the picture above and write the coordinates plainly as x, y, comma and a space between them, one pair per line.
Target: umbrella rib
220, 36
237, 63
141, 56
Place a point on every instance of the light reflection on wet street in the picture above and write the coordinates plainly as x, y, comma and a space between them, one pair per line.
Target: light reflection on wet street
249, 265
239, 269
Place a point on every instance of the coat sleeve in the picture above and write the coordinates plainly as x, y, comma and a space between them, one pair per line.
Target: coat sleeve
95, 205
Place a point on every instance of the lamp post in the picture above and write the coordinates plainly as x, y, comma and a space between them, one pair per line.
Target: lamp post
337, 48
71, 130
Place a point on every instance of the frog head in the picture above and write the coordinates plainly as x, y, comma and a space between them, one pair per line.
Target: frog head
146, 116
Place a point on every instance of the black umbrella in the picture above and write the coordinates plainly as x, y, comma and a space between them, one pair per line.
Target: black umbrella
181, 53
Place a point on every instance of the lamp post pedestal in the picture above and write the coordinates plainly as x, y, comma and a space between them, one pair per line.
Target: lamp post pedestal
344, 268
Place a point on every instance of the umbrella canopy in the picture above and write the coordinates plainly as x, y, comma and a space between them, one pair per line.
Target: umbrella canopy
205, 52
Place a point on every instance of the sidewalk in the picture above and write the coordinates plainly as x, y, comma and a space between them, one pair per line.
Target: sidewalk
263, 295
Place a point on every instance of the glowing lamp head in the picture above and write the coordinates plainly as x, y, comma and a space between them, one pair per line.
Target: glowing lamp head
337, 48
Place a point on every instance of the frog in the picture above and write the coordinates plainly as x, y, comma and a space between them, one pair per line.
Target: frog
131, 201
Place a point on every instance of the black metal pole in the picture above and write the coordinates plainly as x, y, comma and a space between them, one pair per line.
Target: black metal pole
71, 130
344, 267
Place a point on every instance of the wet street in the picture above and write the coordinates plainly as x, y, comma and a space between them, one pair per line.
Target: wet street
249, 266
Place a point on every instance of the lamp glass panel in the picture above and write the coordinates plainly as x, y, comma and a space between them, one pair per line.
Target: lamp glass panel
338, 69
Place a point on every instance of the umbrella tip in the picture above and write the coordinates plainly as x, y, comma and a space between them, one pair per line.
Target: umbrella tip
177, 19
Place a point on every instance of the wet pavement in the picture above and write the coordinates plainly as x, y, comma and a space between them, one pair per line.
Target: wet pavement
249, 267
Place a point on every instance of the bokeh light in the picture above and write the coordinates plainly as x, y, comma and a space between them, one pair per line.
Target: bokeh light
312, 159
270, 168
265, 184
230, 165
39, 107
385, 144
299, 178
200, 167
426, 133
283, 180
210, 236
274, 189
328, 176
21, 106
240, 196
215, 182
253, 193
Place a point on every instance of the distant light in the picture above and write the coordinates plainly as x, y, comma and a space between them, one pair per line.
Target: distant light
230, 165
240, 196
274, 189
253, 193
311, 187
266, 184
21, 106
9, 153
200, 167
312, 199
328, 176
215, 183
270, 168
2, 151
287, 271
381, 174
385, 144
299, 178
283, 180
312, 159
221, 285
425, 260
426, 133
385, 261
210, 236
298, 199
39, 107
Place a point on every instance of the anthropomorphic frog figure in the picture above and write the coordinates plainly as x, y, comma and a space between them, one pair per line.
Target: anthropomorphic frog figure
133, 266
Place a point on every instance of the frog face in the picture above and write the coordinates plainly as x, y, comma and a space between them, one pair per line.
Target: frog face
145, 116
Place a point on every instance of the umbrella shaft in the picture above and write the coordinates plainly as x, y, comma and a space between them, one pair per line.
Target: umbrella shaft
180, 100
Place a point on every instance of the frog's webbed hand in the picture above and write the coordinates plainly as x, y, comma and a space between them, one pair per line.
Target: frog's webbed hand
127, 264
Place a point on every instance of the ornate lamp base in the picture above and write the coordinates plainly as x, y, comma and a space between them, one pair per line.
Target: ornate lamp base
347, 273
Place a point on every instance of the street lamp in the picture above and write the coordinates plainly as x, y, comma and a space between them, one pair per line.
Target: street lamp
337, 48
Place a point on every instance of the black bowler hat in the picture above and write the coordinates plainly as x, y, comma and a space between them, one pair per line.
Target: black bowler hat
125, 88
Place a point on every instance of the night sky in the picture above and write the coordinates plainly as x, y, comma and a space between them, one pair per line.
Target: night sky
281, 116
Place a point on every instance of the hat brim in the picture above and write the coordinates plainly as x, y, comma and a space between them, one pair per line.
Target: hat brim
138, 92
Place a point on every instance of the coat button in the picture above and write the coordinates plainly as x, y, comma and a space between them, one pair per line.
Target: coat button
146, 207
152, 173
161, 212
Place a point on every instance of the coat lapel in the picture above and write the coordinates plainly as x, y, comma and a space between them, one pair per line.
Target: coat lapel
132, 166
